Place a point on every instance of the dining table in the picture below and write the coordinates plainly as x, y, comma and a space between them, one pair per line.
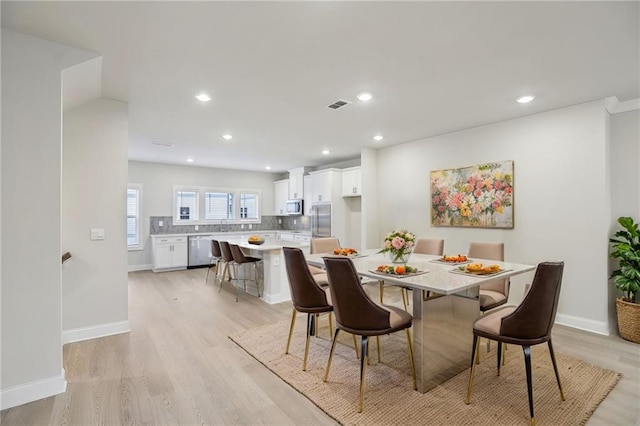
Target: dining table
445, 303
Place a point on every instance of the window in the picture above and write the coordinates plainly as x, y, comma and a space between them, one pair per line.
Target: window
187, 205
134, 194
204, 205
218, 205
248, 206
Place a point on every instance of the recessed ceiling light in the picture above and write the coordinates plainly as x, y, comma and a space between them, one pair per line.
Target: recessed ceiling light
189, 160
326, 152
378, 137
268, 167
525, 99
365, 96
227, 137
203, 97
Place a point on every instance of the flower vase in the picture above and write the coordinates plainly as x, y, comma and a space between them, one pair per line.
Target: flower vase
402, 257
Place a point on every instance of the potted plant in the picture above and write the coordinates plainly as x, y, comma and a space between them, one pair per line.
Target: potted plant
626, 248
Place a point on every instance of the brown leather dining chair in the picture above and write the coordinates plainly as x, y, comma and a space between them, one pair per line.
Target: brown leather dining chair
357, 314
240, 260
216, 256
527, 324
322, 245
494, 293
422, 246
307, 296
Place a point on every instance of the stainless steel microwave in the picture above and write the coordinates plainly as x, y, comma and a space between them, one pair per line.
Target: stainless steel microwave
294, 207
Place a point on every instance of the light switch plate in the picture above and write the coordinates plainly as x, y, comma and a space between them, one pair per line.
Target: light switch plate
97, 234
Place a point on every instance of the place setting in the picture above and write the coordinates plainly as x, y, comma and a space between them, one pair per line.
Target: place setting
452, 260
479, 269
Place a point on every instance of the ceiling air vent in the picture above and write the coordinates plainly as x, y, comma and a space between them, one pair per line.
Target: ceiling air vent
339, 104
162, 144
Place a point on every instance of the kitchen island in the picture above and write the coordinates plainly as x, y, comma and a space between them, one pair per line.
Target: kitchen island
274, 284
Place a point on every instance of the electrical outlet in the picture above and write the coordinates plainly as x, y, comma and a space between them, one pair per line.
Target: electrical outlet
276, 261
295, 221
242, 226
279, 221
250, 226
160, 223
196, 227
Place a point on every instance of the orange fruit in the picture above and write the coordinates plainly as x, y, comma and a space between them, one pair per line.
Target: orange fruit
400, 270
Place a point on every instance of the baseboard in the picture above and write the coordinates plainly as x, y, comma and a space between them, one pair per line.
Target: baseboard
101, 330
32, 391
272, 300
134, 268
599, 327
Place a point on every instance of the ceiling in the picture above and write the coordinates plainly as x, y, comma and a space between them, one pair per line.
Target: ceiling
272, 68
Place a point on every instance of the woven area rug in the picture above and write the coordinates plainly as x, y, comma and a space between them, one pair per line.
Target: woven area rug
390, 399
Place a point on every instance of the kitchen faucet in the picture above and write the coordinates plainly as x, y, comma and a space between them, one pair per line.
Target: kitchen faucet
223, 225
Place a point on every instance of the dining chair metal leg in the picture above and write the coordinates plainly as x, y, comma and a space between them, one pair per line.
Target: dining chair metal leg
474, 355
405, 298
364, 359
333, 347
255, 270
527, 364
293, 323
330, 325
411, 360
499, 355
355, 345
555, 368
381, 290
378, 346
236, 279
224, 272
310, 330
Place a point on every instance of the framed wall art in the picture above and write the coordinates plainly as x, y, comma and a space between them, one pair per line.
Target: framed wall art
479, 196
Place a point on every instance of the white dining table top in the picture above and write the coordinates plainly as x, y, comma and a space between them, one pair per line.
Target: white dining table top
438, 276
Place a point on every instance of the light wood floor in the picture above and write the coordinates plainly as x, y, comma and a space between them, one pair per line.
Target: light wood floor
177, 366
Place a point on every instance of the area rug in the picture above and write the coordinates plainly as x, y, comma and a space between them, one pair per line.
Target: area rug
390, 399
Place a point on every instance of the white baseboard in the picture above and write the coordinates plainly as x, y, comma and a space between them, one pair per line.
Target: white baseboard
276, 299
599, 327
134, 268
32, 391
101, 330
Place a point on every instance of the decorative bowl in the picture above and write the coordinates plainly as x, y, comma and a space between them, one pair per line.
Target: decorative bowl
256, 242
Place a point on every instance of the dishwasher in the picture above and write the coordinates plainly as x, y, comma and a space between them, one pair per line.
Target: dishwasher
199, 251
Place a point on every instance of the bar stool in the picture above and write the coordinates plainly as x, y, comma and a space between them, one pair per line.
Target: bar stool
239, 259
216, 255
227, 257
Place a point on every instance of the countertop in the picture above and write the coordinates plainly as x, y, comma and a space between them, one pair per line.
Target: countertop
269, 244
233, 233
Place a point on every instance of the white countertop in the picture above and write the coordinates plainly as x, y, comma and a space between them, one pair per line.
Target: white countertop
234, 233
268, 245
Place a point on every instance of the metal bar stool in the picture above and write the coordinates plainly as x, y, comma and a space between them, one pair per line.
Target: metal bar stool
227, 257
239, 259
216, 255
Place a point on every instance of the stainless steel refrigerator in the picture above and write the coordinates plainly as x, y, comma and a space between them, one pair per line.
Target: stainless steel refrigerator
321, 220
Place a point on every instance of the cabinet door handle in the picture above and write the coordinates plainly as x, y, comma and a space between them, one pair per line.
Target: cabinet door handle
354, 189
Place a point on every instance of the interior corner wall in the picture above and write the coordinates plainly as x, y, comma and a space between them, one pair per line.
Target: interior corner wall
31, 177
369, 224
94, 187
625, 181
561, 198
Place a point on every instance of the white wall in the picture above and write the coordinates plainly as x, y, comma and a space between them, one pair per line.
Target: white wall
561, 198
31, 174
157, 192
94, 187
625, 178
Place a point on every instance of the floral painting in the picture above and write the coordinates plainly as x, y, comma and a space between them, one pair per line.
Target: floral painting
478, 196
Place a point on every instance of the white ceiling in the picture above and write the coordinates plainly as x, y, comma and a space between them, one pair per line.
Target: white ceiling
272, 69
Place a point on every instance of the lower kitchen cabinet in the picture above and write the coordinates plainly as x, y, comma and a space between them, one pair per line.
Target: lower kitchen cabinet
169, 253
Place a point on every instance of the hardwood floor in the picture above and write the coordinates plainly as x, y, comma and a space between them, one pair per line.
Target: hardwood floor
177, 366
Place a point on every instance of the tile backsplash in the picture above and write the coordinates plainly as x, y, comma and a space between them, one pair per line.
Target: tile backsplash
302, 223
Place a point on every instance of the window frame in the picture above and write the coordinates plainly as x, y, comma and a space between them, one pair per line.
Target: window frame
139, 245
201, 205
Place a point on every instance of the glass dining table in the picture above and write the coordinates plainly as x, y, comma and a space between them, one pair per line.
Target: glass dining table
445, 304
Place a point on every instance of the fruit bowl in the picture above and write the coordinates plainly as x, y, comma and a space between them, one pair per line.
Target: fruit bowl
256, 240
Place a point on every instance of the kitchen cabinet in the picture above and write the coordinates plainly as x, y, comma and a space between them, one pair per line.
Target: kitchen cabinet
352, 182
169, 253
296, 183
281, 195
325, 184
308, 200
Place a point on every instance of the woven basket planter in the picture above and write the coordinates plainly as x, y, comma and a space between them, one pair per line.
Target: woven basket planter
628, 320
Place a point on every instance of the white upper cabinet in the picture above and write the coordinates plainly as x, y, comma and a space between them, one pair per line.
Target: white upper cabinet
352, 182
281, 195
308, 200
296, 183
325, 184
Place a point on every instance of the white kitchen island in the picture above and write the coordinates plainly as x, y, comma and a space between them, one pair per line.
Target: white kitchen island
274, 284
